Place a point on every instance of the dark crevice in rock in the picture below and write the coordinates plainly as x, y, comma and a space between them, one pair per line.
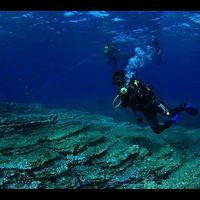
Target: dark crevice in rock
7, 151
80, 149
130, 158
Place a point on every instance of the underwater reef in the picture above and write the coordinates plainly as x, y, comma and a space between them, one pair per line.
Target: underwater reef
63, 148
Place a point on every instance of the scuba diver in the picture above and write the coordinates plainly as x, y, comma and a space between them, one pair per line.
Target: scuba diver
116, 58
141, 98
112, 52
157, 51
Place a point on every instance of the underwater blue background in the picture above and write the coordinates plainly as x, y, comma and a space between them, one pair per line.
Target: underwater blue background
56, 58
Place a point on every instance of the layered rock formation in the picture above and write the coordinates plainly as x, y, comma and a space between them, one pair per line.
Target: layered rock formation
41, 148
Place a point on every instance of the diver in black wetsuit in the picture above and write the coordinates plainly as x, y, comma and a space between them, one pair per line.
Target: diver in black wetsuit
140, 97
112, 52
157, 51
116, 58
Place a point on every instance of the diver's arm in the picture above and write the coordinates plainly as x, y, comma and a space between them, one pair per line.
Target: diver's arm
124, 104
125, 100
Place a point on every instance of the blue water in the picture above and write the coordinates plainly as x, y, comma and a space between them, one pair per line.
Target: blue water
57, 59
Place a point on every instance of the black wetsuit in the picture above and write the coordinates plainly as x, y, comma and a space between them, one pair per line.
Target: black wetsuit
116, 58
112, 59
141, 98
155, 44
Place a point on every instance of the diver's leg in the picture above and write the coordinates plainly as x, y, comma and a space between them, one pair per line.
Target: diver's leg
115, 63
162, 126
159, 60
163, 109
157, 127
189, 109
179, 109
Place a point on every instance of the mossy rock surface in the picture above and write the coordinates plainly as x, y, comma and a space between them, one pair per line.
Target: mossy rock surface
58, 149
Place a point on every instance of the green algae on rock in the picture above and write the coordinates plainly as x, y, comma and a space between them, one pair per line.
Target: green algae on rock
49, 148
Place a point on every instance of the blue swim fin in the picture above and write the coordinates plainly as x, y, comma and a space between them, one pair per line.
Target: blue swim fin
175, 118
191, 110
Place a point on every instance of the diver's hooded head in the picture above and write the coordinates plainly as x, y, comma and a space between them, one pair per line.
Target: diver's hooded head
119, 78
